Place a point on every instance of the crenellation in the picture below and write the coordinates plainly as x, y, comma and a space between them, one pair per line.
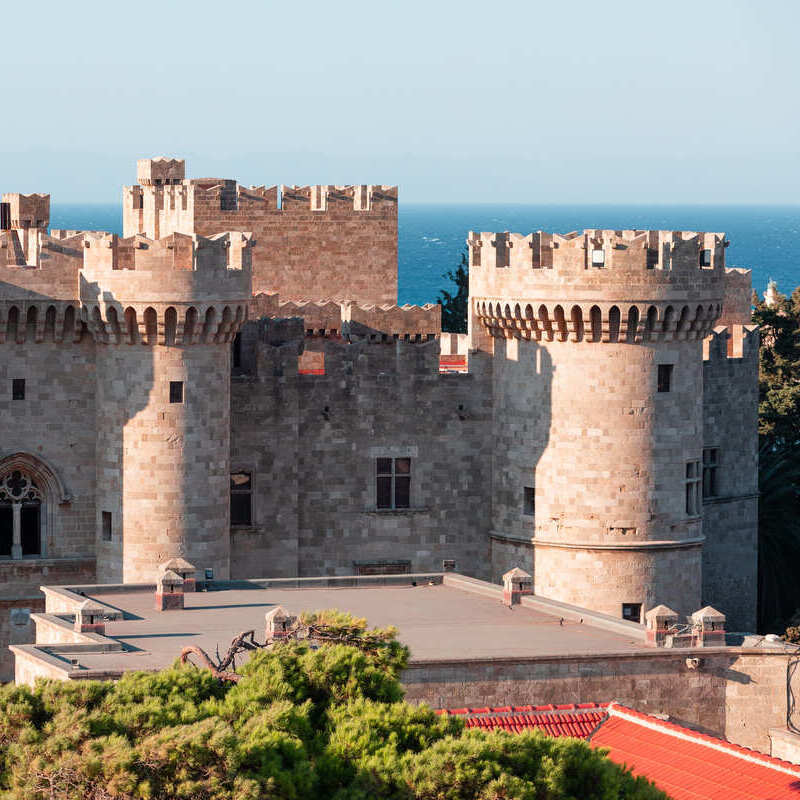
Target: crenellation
622, 251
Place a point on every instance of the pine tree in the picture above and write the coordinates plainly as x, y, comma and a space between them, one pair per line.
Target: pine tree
454, 306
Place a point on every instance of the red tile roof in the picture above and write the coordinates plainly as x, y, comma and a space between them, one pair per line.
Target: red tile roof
685, 764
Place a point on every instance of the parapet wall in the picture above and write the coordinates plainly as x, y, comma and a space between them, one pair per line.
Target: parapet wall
731, 342
330, 318
28, 210
599, 266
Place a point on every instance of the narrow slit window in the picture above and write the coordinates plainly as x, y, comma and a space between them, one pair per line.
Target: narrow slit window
106, 523
176, 391
710, 472
241, 498
18, 389
665, 377
393, 483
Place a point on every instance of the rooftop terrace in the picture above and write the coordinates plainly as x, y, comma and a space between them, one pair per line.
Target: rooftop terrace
440, 617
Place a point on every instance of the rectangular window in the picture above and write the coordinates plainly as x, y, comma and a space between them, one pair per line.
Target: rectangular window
241, 498
705, 258
632, 612
664, 377
106, 526
693, 483
18, 389
448, 565
236, 352
652, 257
5, 216
598, 258
393, 487
710, 465
529, 501
176, 391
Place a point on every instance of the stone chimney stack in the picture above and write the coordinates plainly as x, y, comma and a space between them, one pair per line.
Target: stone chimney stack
279, 624
90, 619
516, 583
708, 628
660, 622
169, 591
183, 568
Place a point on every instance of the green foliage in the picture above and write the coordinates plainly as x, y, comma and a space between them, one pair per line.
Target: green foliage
302, 722
454, 306
779, 462
779, 371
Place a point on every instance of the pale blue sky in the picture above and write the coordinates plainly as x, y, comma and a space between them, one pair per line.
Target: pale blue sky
620, 102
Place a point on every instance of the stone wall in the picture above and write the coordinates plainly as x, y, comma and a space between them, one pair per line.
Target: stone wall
730, 518
738, 695
313, 242
311, 443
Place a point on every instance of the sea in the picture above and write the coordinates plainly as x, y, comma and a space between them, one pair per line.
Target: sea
765, 239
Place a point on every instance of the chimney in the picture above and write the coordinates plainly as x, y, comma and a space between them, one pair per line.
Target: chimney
661, 621
169, 591
90, 619
279, 624
183, 568
516, 583
708, 626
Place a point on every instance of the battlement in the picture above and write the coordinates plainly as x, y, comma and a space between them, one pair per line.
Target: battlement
160, 170
731, 342
330, 318
19, 211
620, 250
223, 251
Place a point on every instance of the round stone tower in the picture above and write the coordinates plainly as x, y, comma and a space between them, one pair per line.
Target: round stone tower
163, 313
598, 407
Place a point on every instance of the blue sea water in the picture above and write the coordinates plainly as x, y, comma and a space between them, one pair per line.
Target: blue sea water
765, 239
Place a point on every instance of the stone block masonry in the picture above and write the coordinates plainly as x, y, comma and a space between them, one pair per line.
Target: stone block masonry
314, 242
241, 349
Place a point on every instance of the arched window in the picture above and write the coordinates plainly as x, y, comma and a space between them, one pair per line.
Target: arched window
20, 516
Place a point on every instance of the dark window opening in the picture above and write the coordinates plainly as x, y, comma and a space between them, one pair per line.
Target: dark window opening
18, 389
5, 216
652, 257
106, 515
176, 391
448, 565
710, 470
529, 501
236, 351
241, 498
393, 487
693, 483
30, 539
664, 377
632, 612
6, 529
705, 258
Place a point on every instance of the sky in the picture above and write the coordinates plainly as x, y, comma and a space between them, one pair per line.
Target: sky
492, 102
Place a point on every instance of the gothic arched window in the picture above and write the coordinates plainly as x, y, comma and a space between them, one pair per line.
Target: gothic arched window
20, 516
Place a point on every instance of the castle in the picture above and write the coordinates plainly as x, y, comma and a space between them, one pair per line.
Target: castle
230, 382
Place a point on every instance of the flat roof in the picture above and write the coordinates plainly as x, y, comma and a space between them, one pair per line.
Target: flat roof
438, 622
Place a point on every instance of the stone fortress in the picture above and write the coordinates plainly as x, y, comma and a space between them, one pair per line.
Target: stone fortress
231, 382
